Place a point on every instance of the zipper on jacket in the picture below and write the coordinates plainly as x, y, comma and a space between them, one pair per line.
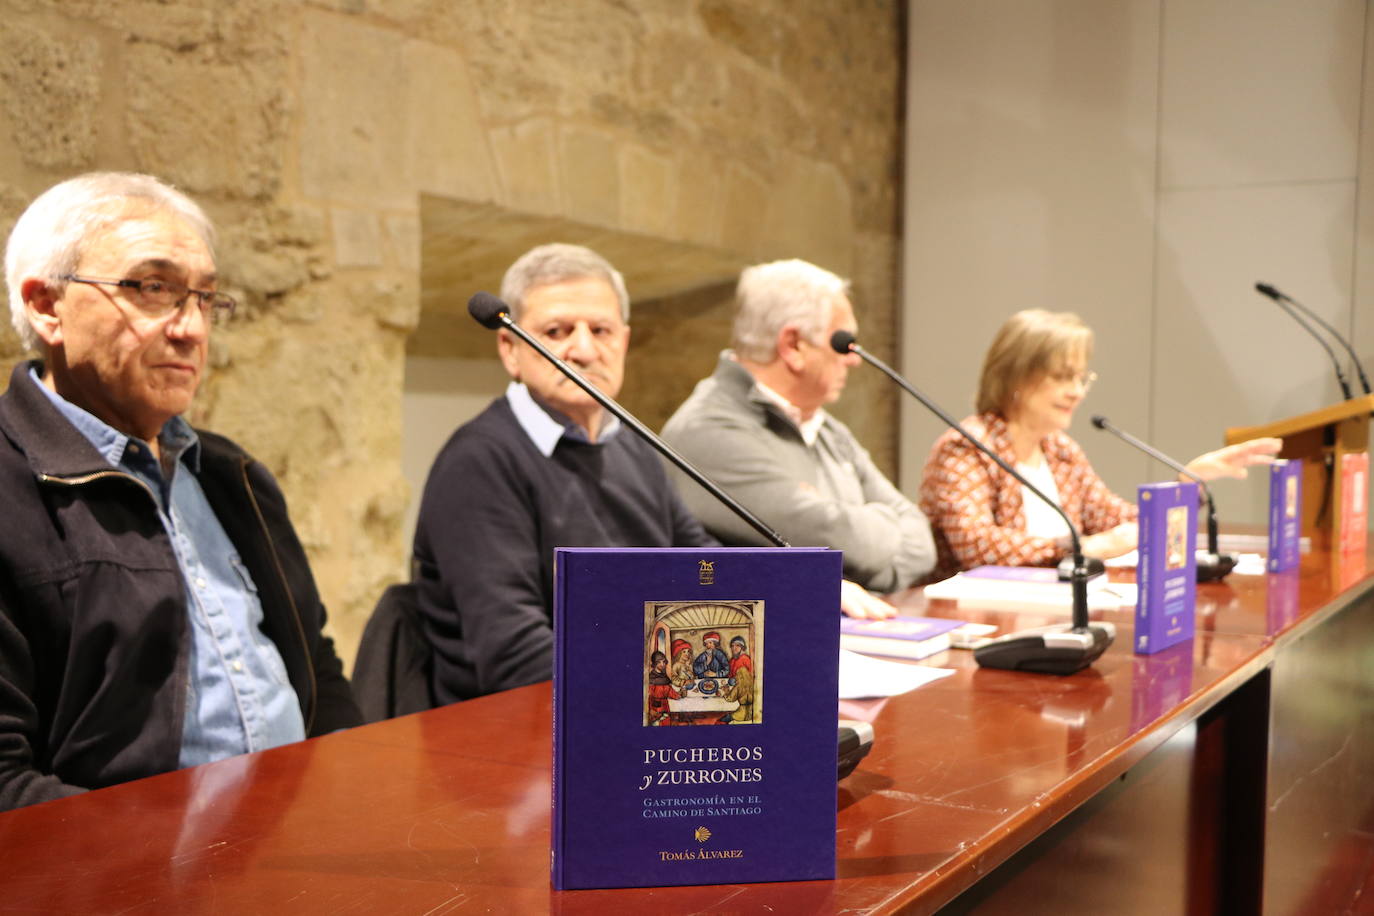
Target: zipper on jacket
290, 599
98, 475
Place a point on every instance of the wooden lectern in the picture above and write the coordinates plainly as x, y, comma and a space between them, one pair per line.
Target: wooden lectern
1320, 438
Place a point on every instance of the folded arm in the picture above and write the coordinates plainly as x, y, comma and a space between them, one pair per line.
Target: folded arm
885, 538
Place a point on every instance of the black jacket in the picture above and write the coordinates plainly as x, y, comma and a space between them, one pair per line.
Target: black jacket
94, 636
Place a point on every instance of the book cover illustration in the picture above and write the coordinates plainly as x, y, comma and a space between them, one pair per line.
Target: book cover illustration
695, 708
690, 679
1285, 514
1167, 568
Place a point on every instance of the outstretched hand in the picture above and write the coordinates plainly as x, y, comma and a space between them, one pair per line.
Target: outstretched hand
1113, 542
857, 601
1235, 460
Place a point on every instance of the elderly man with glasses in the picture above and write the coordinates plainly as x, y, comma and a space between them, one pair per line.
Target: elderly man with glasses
758, 427
156, 608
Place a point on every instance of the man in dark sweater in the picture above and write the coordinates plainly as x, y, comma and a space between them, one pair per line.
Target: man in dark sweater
543, 466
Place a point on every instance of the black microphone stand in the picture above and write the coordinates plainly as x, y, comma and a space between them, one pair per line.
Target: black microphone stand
491, 312
1276, 294
1050, 650
1282, 302
1211, 563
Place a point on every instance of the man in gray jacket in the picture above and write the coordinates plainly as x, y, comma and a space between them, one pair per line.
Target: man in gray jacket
758, 427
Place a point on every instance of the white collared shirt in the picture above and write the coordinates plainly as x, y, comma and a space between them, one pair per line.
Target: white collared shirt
546, 427
809, 429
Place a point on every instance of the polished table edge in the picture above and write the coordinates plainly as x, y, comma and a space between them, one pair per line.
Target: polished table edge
940, 886
914, 892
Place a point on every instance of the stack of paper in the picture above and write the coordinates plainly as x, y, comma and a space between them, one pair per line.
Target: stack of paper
1028, 587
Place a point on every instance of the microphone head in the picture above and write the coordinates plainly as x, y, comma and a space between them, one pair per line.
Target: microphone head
1267, 290
842, 341
1100, 421
487, 309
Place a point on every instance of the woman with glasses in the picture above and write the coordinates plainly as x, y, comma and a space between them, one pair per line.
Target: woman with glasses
1034, 376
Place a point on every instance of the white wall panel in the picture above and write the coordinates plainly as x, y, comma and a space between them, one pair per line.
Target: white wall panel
1142, 162
1225, 355
1029, 184
1258, 91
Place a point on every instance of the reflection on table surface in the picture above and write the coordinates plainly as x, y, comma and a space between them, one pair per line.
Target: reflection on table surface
451, 807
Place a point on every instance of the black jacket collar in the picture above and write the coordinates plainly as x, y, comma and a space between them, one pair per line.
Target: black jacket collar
53, 446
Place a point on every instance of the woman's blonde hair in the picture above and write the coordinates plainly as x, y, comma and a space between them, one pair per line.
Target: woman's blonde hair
1029, 345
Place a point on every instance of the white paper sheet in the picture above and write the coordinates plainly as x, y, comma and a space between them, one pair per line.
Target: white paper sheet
864, 676
1247, 564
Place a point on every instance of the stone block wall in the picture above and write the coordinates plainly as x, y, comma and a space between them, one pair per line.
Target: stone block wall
310, 131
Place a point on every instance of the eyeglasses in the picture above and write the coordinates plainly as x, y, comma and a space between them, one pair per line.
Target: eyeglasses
1084, 379
160, 298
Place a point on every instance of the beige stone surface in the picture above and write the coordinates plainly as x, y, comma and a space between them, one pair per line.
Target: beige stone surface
749, 28
811, 214
402, 236
646, 204
699, 205
527, 160
590, 174
743, 226
675, 342
445, 142
51, 84
353, 107
372, 164
186, 128
357, 238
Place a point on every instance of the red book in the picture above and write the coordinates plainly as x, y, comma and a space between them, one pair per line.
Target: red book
1354, 502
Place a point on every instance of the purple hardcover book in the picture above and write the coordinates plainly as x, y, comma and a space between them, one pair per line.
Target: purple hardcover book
1285, 513
1167, 571
899, 637
695, 696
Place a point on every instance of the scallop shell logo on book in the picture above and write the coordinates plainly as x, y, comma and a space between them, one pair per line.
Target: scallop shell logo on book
706, 572
701, 835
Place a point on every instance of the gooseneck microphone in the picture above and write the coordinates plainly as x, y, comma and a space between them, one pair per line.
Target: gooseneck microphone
1050, 650
1274, 293
491, 312
1211, 563
1287, 304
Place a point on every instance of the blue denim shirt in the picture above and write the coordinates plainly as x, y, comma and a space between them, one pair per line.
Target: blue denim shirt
238, 697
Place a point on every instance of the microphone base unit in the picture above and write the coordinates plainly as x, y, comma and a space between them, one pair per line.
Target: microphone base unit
1060, 649
1213, 567
855, 741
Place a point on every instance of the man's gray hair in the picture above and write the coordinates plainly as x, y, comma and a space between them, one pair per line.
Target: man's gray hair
52, 234
771, 296
559, 263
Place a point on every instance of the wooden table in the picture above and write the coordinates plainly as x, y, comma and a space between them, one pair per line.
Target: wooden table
1231, 771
